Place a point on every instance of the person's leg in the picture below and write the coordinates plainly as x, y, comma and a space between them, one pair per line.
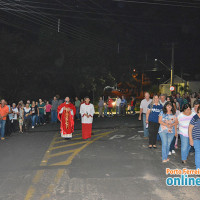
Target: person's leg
185, 147
3, 127
151, 132
52, 116
172, 144
197, 153
170, 138
146, 131
101, 111
154, 137
164, 139
77, 112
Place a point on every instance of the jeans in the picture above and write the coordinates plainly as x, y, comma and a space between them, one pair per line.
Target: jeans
153, 131
78, 112
133, 109
123, 109
33, 120
166, 139
197, 153
146, 130
105, 112
101, 111
54, 116
185, 147
41, 119
117, 110
2, 127
172, 145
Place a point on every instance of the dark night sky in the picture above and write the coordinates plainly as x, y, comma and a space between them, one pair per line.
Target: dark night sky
144, 29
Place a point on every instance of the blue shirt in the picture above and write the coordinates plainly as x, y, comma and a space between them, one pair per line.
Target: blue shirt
196, 130
155, 111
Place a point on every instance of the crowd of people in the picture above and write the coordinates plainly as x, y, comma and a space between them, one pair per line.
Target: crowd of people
173, 117
165, 118
119, 105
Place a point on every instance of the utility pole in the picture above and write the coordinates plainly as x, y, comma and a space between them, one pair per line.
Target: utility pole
118, 48
58, 25
172, 66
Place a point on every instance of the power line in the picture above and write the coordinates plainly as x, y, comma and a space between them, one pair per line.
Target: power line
72, 33
154, 3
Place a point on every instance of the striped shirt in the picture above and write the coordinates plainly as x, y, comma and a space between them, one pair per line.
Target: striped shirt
196, 130
184, 122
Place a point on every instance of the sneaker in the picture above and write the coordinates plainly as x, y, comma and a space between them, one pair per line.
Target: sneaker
170, 153
173, 152
33, 127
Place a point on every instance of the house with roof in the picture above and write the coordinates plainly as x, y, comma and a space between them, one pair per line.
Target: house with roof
181, 86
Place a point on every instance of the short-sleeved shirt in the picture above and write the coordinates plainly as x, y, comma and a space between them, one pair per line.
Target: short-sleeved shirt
166, 118
196, 130
54, 105
110, 103
184, 122
4, 111
144, 105
101, 103
48, 108
154, 113
41, 110
77, 103
34, 110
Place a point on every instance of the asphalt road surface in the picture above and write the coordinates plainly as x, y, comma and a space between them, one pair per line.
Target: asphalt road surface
115, 165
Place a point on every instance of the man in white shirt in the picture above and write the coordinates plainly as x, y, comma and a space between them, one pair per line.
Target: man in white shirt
162, 99
118, 102
87, 112
143, 110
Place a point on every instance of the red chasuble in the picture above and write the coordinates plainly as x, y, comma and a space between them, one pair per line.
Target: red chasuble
67, 119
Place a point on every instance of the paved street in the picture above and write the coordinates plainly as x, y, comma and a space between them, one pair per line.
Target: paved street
115, 165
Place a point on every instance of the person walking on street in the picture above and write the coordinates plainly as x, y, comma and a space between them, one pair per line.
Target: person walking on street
168, 128
100, 107
143, 110
118, 102
77, 106
123, 106
153, 111
110, 106
54, 110
4, 110
41, 109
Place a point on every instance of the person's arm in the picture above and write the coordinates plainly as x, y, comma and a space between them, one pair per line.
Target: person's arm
147, 116
161, 122
190, 134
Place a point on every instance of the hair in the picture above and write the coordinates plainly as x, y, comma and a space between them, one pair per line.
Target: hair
163, 95
165, 108
196, 102
87, 97
153, 101
186, 106
198, 109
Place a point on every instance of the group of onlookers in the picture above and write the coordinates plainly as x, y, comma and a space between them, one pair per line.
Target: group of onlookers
172, 117
119, 105
23, 116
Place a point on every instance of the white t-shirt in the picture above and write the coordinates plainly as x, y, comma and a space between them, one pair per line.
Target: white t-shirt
14, 115
144, 105
184, 122
118, 101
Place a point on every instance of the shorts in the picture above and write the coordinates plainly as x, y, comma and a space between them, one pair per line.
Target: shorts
21, 122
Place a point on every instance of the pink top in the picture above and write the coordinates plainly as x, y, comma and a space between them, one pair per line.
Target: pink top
48, 108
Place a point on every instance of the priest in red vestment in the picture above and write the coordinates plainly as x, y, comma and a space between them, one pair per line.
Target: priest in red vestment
66, 112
